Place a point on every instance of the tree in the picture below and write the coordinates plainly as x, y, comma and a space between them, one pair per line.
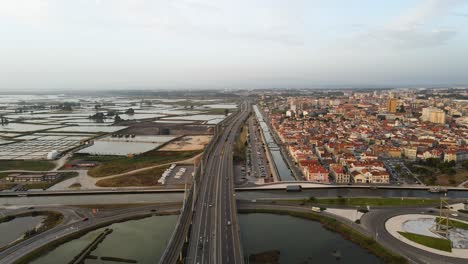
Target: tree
130, 111
111, 112
226, 112
117, 118
465, 164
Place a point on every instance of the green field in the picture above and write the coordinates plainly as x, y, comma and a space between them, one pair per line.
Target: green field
118, 165
432, 242
456, 224
32, 165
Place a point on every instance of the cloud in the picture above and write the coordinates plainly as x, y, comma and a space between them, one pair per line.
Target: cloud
460, 14
424, 13
25, 11
414, 28
411, 38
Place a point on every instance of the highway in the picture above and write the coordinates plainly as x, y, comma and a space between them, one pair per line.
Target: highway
214, 236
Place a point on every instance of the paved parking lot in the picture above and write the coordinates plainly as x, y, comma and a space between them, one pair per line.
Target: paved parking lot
173, 179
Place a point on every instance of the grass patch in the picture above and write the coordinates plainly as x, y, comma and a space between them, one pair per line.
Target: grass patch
32, 165
367, 201
432, 242
75, 185
455, 224
118, 165
144, 178
347, 232
6, 186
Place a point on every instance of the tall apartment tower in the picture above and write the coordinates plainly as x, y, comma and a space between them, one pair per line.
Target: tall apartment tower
293, 106
433, 115
391, 105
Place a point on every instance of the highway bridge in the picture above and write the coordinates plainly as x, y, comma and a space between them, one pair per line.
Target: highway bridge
209, 215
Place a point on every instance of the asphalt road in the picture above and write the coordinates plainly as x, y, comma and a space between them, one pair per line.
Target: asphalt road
72, 224
214, 237
257, 153
375, 222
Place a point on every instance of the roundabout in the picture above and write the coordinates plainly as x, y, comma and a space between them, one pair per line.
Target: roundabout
430, 233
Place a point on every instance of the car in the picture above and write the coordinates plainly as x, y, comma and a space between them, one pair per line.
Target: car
85, 219
454, 215
30, 208
228, 223
210, 205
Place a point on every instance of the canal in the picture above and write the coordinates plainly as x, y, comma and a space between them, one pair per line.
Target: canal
143, 240
281, 166
298, 241
15, 229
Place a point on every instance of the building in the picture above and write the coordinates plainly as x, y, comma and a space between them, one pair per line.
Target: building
54, 154
433, 115
338, 173
391, 105
317, 173
411, 153
46, 177
293, 106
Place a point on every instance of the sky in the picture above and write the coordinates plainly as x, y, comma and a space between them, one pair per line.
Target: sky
202, 44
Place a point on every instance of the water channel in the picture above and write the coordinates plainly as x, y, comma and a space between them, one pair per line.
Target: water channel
15, 229
298, 241
143, 240
281, 166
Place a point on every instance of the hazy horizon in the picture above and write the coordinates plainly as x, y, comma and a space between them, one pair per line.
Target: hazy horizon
198, 44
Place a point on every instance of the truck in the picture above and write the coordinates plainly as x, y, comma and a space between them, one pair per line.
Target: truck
293, 188
316, 209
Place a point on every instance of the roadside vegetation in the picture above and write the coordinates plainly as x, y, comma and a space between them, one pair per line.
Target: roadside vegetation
437, 172
365, 201
139, 179
240, 145
31, 165
432, 242
117, 165
347, 232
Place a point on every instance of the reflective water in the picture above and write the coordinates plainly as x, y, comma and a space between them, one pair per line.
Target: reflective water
283, 169
14, 229
142, 240
298, 240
